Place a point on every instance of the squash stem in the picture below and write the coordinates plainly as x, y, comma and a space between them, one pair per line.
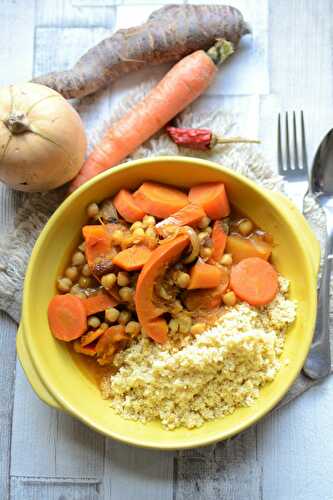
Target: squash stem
17, 123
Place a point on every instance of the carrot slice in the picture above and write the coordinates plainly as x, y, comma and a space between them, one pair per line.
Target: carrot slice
99, 302
204, 276
209, 298
146, 309
255, 281
243, 248
212, 197
219, 239
126, 206
189, 215
159, 200
133, 258
88, 350
67, 317
98, 242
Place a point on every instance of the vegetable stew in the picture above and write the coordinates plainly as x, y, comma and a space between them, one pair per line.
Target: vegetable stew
162, 263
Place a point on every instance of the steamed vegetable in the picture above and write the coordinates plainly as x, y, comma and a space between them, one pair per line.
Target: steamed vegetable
170, 34
126, 206
255, 281
147, 310
219, 239
42, 139
159, 200
204, 276
67, 317
133, 258
212, 197
242, 248
184, 83
99, 302
189, 215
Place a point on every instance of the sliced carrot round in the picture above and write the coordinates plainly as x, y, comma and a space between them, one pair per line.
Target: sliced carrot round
67, 317
255, 281
126, 206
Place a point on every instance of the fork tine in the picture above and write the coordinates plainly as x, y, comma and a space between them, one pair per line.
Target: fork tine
297, 165
280, 159
287, 144
304, 153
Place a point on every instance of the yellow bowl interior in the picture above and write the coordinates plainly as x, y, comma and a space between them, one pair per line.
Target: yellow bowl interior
51, 360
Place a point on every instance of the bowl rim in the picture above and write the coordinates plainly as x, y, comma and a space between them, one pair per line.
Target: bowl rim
26, 320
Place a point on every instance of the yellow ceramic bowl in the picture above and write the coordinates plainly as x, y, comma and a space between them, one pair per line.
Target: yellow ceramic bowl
49, 366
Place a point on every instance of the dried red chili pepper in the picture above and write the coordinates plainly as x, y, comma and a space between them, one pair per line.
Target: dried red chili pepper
201, 138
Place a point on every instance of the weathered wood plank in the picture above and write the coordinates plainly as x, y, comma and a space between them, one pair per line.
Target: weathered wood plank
64, 13
37, 489
229, 470
294, 445
16, 28
137, 473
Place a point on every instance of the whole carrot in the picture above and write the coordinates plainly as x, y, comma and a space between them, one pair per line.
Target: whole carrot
184, 83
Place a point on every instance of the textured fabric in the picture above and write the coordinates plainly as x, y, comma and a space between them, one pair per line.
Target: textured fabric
17, 243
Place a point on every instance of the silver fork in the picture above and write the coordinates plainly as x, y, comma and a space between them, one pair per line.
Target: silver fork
293, 166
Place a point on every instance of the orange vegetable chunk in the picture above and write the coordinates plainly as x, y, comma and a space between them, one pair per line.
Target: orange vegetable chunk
255, 281
208, 298
189, 215
159, 200
98, 242
67, 317
98, 302
212, 197
133, 258
126, 206
243, 248
204, 276
219, 239
154, 269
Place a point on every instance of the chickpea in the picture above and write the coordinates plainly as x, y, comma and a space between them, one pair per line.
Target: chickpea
185, 323
202, 236
133, 328
206, 252
108, 280
245, 227
122, 279
86, 270
148, 220
205, 221
136, 225
78, 259
150, 232
94, 322
183, 280
126, 293
226, 260
138, 234
198, 328
84, 282
104, 326
173, 325
208, 230
117, 236
64, 285
72, 273
82, 247
124, 317
229, 299
112, 314
176, 307
92, 210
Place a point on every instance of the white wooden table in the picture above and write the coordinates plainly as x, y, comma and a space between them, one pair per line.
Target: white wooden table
46, 455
